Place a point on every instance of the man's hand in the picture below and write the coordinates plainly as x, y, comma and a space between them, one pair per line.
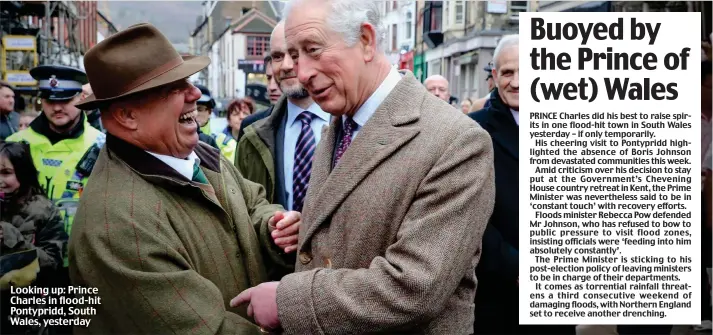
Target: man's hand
262, 300
287, 228
86, 91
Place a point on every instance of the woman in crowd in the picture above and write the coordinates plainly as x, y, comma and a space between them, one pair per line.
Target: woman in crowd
238, 110
32, 236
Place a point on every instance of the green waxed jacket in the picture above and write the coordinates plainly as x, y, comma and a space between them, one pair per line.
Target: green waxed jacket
167, 254
256, 154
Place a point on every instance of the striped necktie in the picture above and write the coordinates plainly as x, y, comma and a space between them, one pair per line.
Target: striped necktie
198, 175
304, 151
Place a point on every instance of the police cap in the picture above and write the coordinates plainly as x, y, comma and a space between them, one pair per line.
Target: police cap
489, 70
59, 83
206, 98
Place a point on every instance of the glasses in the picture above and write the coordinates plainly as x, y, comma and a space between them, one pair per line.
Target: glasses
239, 112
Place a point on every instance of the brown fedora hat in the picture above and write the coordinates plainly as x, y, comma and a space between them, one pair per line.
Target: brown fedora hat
134, 60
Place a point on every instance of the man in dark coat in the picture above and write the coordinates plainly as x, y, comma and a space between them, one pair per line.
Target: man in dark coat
496, 301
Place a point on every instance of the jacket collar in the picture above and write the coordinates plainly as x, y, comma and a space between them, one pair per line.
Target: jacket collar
394, 124
505, 131
267, 127
228, 131
148, 165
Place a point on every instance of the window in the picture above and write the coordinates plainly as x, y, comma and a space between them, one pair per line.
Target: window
258, 46
459, 12
432, 16
436, 18
435, 67
446, 13
395, 6
408, 25
517, 6
394, 34
463, 80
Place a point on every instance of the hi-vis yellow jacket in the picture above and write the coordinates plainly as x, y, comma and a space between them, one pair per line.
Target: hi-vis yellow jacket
226, 144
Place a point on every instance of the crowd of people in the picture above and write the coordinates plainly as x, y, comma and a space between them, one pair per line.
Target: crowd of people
360, 201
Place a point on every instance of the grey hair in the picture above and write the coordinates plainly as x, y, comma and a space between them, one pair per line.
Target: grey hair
505, 42
347, 16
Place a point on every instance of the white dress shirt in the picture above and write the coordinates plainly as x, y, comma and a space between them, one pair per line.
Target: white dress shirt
292, 133
182, 166
370, 106
516, 115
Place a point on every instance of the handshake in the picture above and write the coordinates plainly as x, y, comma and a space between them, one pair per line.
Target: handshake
262, 299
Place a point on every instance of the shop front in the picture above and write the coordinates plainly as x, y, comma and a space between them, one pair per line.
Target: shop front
255, 81
406, 61
419, 67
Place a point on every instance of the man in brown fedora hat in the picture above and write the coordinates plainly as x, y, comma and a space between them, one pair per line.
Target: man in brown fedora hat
169, 231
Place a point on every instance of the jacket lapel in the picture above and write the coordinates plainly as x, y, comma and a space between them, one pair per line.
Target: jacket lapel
322, 160
280, 195
267, 127
210, 163
268, 131
505, 131
385, 132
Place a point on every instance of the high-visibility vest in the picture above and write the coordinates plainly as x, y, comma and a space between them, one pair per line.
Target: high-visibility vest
206, 129
226, 144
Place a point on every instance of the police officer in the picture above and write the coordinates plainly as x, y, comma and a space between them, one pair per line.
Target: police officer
64, 146
484, 102
225, 143
205, 108
489, 76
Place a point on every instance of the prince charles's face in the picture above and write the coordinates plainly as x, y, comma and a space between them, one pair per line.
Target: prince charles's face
329, 69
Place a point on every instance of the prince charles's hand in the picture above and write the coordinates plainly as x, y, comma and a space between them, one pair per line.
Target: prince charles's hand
262, 304
287, 228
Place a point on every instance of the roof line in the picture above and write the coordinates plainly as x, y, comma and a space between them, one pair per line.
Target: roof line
111, 25
195, 31
249, 16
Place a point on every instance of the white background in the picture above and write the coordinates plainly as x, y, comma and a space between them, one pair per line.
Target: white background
677, 30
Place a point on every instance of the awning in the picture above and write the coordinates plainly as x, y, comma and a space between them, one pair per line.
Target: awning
26, 88
467, 58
